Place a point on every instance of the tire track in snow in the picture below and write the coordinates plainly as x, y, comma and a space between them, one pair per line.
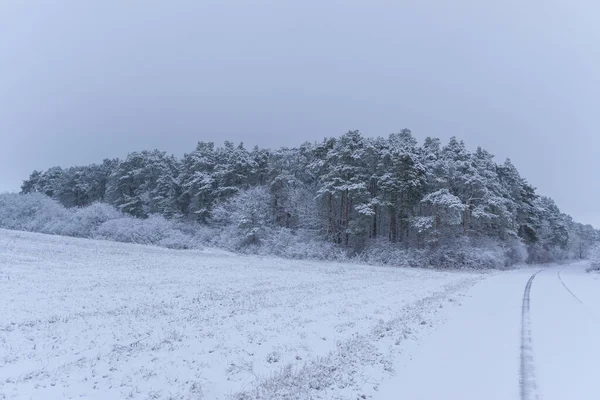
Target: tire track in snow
568, 290
590, 312
527, 371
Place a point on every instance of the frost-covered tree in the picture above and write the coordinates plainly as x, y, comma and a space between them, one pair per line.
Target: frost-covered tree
33, 184
248, 216
233, 170
520, 198
344, 183
403, 180
594, 256
357, 193
197, 182
144, 183
443, 212
75, 187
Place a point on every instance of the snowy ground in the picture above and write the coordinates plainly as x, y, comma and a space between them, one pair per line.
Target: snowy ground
478, 354
97, 320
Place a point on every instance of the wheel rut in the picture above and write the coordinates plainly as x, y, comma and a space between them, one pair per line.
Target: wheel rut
589, 311
568, 290
527, 380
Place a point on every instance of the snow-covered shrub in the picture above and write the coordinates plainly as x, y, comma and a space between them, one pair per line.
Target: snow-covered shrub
540, 255
466, 253
245, 217
594, 256
246, 223
38, 213
85, 221
384, 252
32, 212
559, 254
175, 239
300, 244
515, 252
204, 234
537, 254
128, 230
154, 230
274, 356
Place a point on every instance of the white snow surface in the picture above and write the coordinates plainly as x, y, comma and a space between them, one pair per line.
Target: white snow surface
100, 320
476, 354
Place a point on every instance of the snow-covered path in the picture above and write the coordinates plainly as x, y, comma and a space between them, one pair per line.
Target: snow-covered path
478, 353
566, 333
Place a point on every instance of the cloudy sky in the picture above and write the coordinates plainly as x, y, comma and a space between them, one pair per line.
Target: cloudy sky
81, 81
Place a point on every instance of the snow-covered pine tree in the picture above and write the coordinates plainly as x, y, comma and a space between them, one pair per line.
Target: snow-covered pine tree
349, 190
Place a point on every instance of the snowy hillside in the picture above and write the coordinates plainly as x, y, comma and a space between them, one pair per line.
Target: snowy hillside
98, 320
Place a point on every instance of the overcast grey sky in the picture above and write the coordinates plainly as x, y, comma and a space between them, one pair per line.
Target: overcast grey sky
85, 80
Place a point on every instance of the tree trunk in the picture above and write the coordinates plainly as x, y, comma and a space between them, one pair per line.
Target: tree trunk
346, 238
393, 218
374, 230
466, 219
467, 214
330, 216
401, 227
373, 196
341, 220
393, 225
437, 226
400, 217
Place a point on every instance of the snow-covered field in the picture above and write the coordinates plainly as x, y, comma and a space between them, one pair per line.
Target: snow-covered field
98, 320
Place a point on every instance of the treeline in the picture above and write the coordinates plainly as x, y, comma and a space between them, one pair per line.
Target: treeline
355, 192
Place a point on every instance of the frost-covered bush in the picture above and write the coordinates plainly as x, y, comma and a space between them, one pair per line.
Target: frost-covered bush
175, 239
537, 254
246, 223
465, 253
515, 252
540, 255
33, 212
245, 218
86, 221
154, 230
38, 213
594, 257
129, 230
383, 252
300, 244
